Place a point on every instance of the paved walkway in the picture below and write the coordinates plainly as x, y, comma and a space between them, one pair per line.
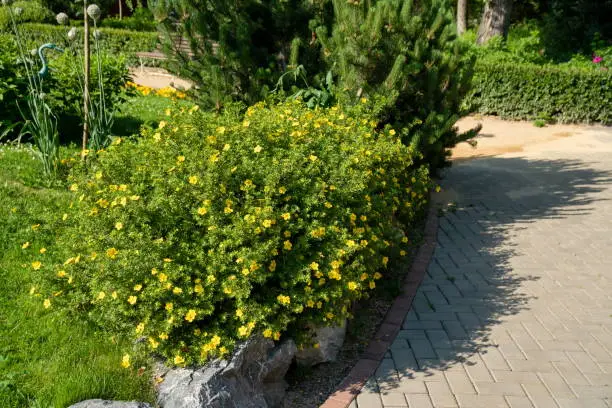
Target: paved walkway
516, 308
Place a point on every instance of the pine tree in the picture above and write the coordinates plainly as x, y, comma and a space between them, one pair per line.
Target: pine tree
238, 49
408, 52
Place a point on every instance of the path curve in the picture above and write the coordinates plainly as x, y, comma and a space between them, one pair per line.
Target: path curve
516, 307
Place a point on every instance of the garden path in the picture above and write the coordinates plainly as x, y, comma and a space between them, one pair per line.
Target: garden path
516, 307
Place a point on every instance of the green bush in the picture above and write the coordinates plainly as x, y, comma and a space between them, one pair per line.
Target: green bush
114, 41
528, 91
12, 84
32, 11
209, 228
141, 20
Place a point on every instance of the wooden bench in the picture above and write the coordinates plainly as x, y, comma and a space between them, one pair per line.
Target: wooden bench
178, 42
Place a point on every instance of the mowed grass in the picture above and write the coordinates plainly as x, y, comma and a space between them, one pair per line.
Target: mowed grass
48, 358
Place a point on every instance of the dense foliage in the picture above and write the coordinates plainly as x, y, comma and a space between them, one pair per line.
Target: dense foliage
211, 228
141, 20
62, 88
529, 91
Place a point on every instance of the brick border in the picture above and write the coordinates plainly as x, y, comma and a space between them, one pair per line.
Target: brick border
350, 387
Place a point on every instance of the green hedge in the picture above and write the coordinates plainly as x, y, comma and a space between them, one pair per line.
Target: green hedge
528, 91
114, 41
32, 11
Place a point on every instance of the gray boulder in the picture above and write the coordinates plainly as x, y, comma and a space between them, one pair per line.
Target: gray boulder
252, 378
330, 340
98, 403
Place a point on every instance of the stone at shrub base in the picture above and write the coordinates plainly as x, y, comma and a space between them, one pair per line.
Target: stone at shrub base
330, 340
98, 403
252, 378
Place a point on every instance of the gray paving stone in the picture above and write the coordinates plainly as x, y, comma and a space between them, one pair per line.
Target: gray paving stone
515, 308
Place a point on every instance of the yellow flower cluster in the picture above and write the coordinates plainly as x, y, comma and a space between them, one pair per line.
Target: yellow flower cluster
167, 92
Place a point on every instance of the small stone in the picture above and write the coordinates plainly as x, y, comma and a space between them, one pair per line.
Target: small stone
329, 340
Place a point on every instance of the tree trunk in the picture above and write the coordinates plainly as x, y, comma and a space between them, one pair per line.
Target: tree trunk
495, 20
461, 16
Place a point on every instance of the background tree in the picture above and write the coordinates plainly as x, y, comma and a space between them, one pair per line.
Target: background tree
461, 16
495, 20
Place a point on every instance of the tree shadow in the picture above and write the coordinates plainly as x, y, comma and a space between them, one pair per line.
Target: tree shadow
478, 277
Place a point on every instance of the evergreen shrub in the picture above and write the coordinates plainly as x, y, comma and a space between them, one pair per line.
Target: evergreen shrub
212, 228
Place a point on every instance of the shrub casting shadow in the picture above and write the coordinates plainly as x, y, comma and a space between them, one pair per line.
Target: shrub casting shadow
471, 269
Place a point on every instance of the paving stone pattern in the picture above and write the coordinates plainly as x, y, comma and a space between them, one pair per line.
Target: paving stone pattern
516, 307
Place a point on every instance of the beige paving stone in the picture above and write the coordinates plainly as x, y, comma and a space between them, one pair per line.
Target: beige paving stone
481, 401
418, 401
394, 399
518, 402
460, 383
499, 388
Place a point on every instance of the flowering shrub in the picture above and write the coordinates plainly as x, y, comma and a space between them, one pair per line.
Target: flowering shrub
209, 229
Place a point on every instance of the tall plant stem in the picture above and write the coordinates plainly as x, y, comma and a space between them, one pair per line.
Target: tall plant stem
86, 80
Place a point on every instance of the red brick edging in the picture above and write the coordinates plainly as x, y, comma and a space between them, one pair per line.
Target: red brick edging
350, 387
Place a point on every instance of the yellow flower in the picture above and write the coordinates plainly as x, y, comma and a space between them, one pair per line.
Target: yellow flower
328, 205
154, 271
112, 253
283, 300
277, 336
167, 260
36, 265
314, 266
180, 159
385, 260
154, 344
35, 227
202, 211
32, 290
132, 300
125, 361
64, 217
193, 179
350, 243
392, 132
287, 245
363, 277
140, 328
47, 303
438, 189
163, 336
402, 253
353, 217
74, 187
162, 277
226, 147
119, 226
372, 284
310, 303
272, 266
114, 294
25, 245
198, 288
228, 210
352, 285
286, 216
363, 218
282, 190
405, 240
177, 291
329, 315
267, 333
101, 295
257, 149
162, 124
169, 306
190, 316
42, 250
267, 223
239, 313
221, 130
313, 158
138, 287
178, 360
363, 100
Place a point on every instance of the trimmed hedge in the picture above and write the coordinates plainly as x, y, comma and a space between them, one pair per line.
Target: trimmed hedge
529, 91
114, 41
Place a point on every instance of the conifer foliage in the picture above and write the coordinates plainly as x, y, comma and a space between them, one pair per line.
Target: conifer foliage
407, 51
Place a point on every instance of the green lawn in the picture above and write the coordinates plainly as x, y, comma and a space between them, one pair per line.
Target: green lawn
49, 358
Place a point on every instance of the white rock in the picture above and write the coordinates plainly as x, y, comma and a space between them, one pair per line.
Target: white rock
330, 340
